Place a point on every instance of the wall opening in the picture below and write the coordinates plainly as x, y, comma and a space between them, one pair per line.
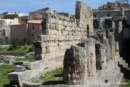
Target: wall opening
95, 24
87, 30
108, 23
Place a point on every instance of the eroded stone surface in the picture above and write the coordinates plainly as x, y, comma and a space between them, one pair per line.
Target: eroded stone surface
75, 66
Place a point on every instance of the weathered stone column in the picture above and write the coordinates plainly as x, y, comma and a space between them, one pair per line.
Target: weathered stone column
103, 40
100, 56
107, 49
112, 46
118, 30
90, 48
117, 48
119, 35
75, 66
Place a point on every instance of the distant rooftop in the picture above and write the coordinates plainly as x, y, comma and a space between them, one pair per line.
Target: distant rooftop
35, 21
113, 5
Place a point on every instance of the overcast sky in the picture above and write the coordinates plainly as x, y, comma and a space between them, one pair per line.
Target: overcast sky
26, 6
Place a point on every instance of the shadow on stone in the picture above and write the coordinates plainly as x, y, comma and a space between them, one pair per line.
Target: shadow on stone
58, 75
53, 82
122, 69
7, 85
127, 74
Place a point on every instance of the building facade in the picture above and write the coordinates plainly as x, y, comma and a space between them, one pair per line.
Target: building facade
6, 29
19, 31
34, 28
103, 15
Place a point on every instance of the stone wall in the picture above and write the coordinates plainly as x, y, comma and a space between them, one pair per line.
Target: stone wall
88, 63
60, 32
35, 69
85, 15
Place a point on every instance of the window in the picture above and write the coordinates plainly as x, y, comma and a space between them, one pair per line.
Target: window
32, 35
94, 15
109, 6
33, 27
108, 15
108, 23
3, 32
87, 30
95, 24
111, 30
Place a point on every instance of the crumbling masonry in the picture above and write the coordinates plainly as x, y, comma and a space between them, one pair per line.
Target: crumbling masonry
88, 60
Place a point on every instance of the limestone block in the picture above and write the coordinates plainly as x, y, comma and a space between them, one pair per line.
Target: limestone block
53, 54
52, 26
65, 23
48, 19
14, 76
75, 66
46, 38
10, 61
53, 20
57, 21
19, 68
47, 26
57, 27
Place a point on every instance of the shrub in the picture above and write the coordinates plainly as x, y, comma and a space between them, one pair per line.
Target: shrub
10, 48
25, 47
19, 42
24, 41
15, 43
31, 49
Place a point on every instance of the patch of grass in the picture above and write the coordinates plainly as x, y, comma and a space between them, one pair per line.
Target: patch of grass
126, 79
21, 49
30, 59
3, 77
6, 68
3, 80
49, 76
127, 83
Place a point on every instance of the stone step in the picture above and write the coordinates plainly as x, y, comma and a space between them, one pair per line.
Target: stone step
90, 81
112, 78
111, 74
122, 62
99, 73
125, 65
103, 77
118, 80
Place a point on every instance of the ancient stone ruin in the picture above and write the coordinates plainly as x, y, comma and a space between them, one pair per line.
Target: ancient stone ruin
88, 59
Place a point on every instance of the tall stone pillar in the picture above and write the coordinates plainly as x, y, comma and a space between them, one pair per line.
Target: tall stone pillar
89, 46
112, 46
100, 56
116, 48
119, 35
90, 50
75, 66
103, 40
119, 30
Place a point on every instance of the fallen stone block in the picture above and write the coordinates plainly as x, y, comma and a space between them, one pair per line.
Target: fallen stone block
19, 68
